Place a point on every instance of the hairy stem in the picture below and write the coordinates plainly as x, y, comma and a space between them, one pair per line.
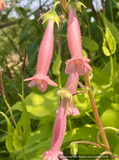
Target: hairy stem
95, 112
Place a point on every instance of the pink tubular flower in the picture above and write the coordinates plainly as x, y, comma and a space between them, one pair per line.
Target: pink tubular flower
58, 133
2, 4
72, 78
77, 63
44, 59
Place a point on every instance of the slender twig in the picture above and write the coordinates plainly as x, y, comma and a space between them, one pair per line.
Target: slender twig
93, 10
103, 6
88, 142
8, 24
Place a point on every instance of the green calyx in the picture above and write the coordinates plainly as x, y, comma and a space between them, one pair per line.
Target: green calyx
76, 4
50, 14
65, 93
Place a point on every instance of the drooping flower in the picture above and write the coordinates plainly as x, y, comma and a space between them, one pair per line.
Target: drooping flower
58, 133
2, 4
72, 79
44, 59
77, 63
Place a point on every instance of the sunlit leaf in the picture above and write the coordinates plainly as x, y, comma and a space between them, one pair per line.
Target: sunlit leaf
40, 105
109, 45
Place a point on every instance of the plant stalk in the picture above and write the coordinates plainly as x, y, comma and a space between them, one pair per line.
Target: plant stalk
95, 112
111, 68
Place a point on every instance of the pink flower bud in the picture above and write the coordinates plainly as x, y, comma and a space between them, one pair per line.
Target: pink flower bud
77, 63
44, 59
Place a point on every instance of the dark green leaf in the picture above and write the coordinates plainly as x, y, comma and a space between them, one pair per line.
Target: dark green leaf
90, 44
57, 64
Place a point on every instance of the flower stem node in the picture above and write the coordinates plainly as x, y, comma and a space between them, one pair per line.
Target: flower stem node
52, 14
65, 93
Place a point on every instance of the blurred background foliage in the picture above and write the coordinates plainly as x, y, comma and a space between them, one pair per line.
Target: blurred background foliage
20, 34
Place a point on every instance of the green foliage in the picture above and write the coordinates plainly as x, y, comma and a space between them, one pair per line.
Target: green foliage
90, 44
57, 64
109, 45
10, 129
47, 102
23, 129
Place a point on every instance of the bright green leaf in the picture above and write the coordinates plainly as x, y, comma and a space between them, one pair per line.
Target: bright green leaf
114, 31
109, 42
9, 139
40, 105
105, 48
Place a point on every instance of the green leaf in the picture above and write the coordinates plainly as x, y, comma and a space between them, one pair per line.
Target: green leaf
23, 128
90, 44
23, 11
38, 143
57, 64
109, 45
87, 133
105, 48
114, 31
32, 54
9, 139
100, 78
25, 33
109, 113
40, 105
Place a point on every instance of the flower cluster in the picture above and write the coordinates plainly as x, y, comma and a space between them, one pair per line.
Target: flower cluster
75, 67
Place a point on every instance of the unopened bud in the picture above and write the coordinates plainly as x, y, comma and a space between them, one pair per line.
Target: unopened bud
74, 149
